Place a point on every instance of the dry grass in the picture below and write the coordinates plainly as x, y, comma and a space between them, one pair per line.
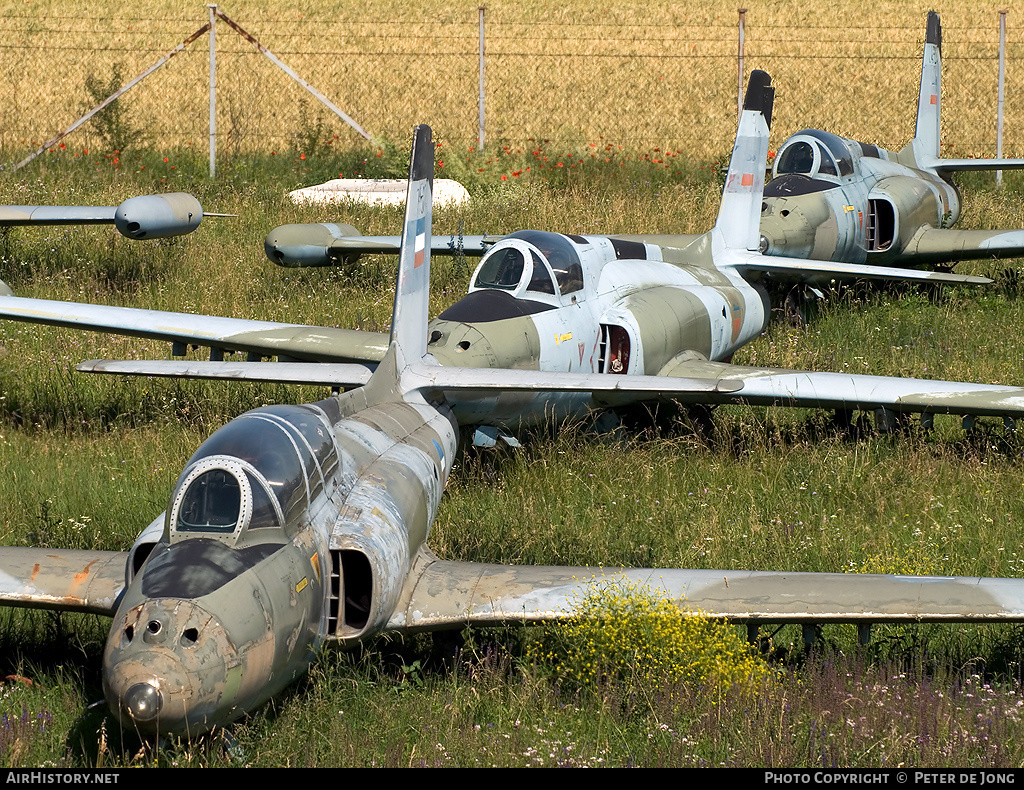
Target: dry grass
642, 74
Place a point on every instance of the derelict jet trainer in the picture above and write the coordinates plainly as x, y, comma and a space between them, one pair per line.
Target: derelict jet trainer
575, 305
836, 199
296, 526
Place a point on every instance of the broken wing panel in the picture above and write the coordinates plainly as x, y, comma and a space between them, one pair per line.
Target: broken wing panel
74, 581
449, 595
265, 338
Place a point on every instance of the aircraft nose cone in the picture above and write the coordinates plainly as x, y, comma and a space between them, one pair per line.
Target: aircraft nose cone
142, 702
166, 667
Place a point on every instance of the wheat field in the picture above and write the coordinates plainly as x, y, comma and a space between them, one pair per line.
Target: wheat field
641, 75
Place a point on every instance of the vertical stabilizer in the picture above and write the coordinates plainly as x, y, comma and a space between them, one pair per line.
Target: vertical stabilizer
929, 103
412, 290
739, 216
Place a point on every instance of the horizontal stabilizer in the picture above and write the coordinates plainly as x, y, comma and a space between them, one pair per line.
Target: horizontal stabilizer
62, 579
328, 374
451, 380
446, 595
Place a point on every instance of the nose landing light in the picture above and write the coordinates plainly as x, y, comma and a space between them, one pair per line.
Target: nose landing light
142, 702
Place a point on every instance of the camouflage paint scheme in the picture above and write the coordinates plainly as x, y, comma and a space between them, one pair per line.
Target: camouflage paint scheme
295, 526
835, 199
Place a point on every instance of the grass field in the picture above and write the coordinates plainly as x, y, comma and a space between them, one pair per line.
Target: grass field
86, 462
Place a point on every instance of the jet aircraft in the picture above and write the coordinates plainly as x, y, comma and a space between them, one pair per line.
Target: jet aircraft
296, 526
832, 198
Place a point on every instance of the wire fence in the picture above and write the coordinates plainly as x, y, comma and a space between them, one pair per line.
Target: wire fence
640, 85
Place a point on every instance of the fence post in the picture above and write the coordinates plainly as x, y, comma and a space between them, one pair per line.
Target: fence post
739, 80
999, 100
291, 73
213, 90
480, 128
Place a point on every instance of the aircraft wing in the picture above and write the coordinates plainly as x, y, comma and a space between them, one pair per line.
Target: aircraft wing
66, 580
942, 245
56, 215
824, 272
261, 338
958, 165
854, 391
444, 595
142, 217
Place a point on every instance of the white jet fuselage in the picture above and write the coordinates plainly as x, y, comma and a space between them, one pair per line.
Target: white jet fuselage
576, 304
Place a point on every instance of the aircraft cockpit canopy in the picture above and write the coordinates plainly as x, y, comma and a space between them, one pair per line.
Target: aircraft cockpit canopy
253, 478
815, 154
532, 261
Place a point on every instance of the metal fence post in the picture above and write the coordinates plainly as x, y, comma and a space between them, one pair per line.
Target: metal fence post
480, 128
999, 99
213, 90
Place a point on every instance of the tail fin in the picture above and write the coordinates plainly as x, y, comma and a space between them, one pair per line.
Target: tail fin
925, 145
929, 101
412, 289
739, 216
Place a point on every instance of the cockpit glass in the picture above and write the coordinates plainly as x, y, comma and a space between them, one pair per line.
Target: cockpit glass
570, 279
541, 281
263, 513
262, 441
834, 155
211, 504
560, 253
827, 166
503, 268
798, 158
